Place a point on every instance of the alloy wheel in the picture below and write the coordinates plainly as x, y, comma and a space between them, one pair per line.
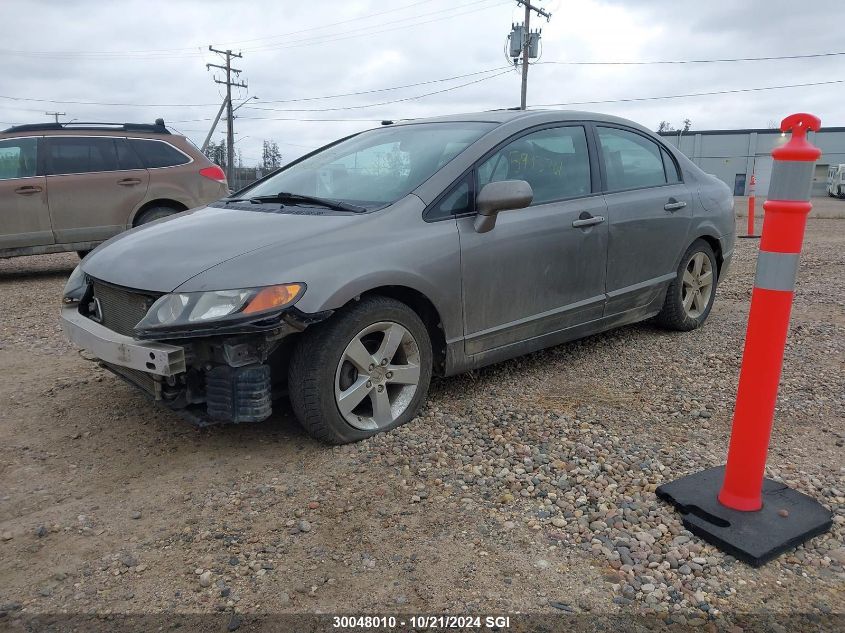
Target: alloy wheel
377, 376
697, 285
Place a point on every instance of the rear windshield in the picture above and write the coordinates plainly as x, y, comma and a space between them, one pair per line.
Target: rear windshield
377, 167
158, 153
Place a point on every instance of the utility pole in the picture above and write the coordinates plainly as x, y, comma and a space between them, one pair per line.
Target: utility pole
213, 126
526, 46
230, 123
55, 114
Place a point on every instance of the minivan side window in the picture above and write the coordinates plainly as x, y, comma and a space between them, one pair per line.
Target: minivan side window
554, 161
18, 158
630, 160
158, 153
80, 155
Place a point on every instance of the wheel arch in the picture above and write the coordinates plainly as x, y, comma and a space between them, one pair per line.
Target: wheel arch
709, 234
716, 245
426, 310
158, 202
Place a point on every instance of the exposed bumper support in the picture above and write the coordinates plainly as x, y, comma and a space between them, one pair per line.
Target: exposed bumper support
146, 356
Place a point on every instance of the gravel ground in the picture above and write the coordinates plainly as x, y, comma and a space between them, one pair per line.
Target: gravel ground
525, 487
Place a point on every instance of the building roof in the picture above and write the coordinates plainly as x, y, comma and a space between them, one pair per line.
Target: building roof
741, 131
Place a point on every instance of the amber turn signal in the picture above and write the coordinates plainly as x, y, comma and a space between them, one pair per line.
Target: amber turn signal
274, 297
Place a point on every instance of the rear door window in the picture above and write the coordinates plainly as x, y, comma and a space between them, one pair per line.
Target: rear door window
631, 161
18, 158
126, 156
157, 153
80, 155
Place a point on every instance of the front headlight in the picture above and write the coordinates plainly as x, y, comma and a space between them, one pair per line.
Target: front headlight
75, 286
184, 308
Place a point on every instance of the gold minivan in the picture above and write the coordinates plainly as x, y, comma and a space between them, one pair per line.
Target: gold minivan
69, 187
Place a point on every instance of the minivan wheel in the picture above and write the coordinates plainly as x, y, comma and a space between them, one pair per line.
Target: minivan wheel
154, 213
364, 371
82, 254
690, 295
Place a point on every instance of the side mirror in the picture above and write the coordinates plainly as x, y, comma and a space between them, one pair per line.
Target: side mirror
500, 196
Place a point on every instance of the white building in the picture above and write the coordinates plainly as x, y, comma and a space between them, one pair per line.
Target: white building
733, 155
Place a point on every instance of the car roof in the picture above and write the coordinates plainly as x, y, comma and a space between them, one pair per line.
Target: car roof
141, 130
525, 118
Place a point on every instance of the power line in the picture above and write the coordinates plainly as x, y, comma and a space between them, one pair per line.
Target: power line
691, 94
421, 83
193, 48
368, 30
696, 61
332, 24
373, 105
198, 105
313, 40
374, 90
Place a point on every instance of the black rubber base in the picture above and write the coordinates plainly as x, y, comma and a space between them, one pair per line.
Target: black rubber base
753, 537
749, 237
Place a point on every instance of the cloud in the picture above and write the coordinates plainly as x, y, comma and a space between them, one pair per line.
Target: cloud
303, 50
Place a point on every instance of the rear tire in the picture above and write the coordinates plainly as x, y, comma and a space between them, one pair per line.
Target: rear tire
82, 254
345, 357
154, 213
690, 296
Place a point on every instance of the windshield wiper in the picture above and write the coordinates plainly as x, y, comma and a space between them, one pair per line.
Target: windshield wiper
284, 196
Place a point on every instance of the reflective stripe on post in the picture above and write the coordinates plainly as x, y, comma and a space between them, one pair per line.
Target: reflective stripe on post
785, 217
776, 271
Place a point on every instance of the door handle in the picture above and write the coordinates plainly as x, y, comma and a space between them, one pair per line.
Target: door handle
28, 190
128, 182
674, 206
588, 221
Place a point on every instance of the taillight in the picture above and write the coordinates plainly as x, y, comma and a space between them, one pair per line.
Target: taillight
214, 172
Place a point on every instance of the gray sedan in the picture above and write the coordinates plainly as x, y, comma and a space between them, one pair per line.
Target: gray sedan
350, 276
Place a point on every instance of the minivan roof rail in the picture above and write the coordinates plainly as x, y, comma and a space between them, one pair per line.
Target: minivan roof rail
158, 127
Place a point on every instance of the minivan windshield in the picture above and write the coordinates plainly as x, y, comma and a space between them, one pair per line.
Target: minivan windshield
374, 168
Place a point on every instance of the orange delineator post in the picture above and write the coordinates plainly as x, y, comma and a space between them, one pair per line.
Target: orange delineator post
785, 213
751, 204
735, 507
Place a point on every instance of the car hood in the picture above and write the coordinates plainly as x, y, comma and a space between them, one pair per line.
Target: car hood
163, 255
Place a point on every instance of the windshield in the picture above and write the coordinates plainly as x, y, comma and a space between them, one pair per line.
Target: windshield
377, 167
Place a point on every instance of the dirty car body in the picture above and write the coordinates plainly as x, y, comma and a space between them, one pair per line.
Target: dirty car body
440, 246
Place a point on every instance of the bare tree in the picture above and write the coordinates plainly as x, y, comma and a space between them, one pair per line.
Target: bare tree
271, 158
216, 153
665, 126
687, 125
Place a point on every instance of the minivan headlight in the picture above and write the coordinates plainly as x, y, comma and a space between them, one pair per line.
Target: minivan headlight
184, 308
75, 286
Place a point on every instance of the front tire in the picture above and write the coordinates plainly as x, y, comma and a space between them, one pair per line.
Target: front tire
364, 371
690, 296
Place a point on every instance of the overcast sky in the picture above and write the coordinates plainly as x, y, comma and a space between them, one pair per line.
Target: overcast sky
154, 52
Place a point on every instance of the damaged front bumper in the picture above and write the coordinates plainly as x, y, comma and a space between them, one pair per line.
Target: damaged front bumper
230, 373
151, 357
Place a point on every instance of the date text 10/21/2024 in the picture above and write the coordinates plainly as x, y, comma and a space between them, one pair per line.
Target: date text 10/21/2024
497, 622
